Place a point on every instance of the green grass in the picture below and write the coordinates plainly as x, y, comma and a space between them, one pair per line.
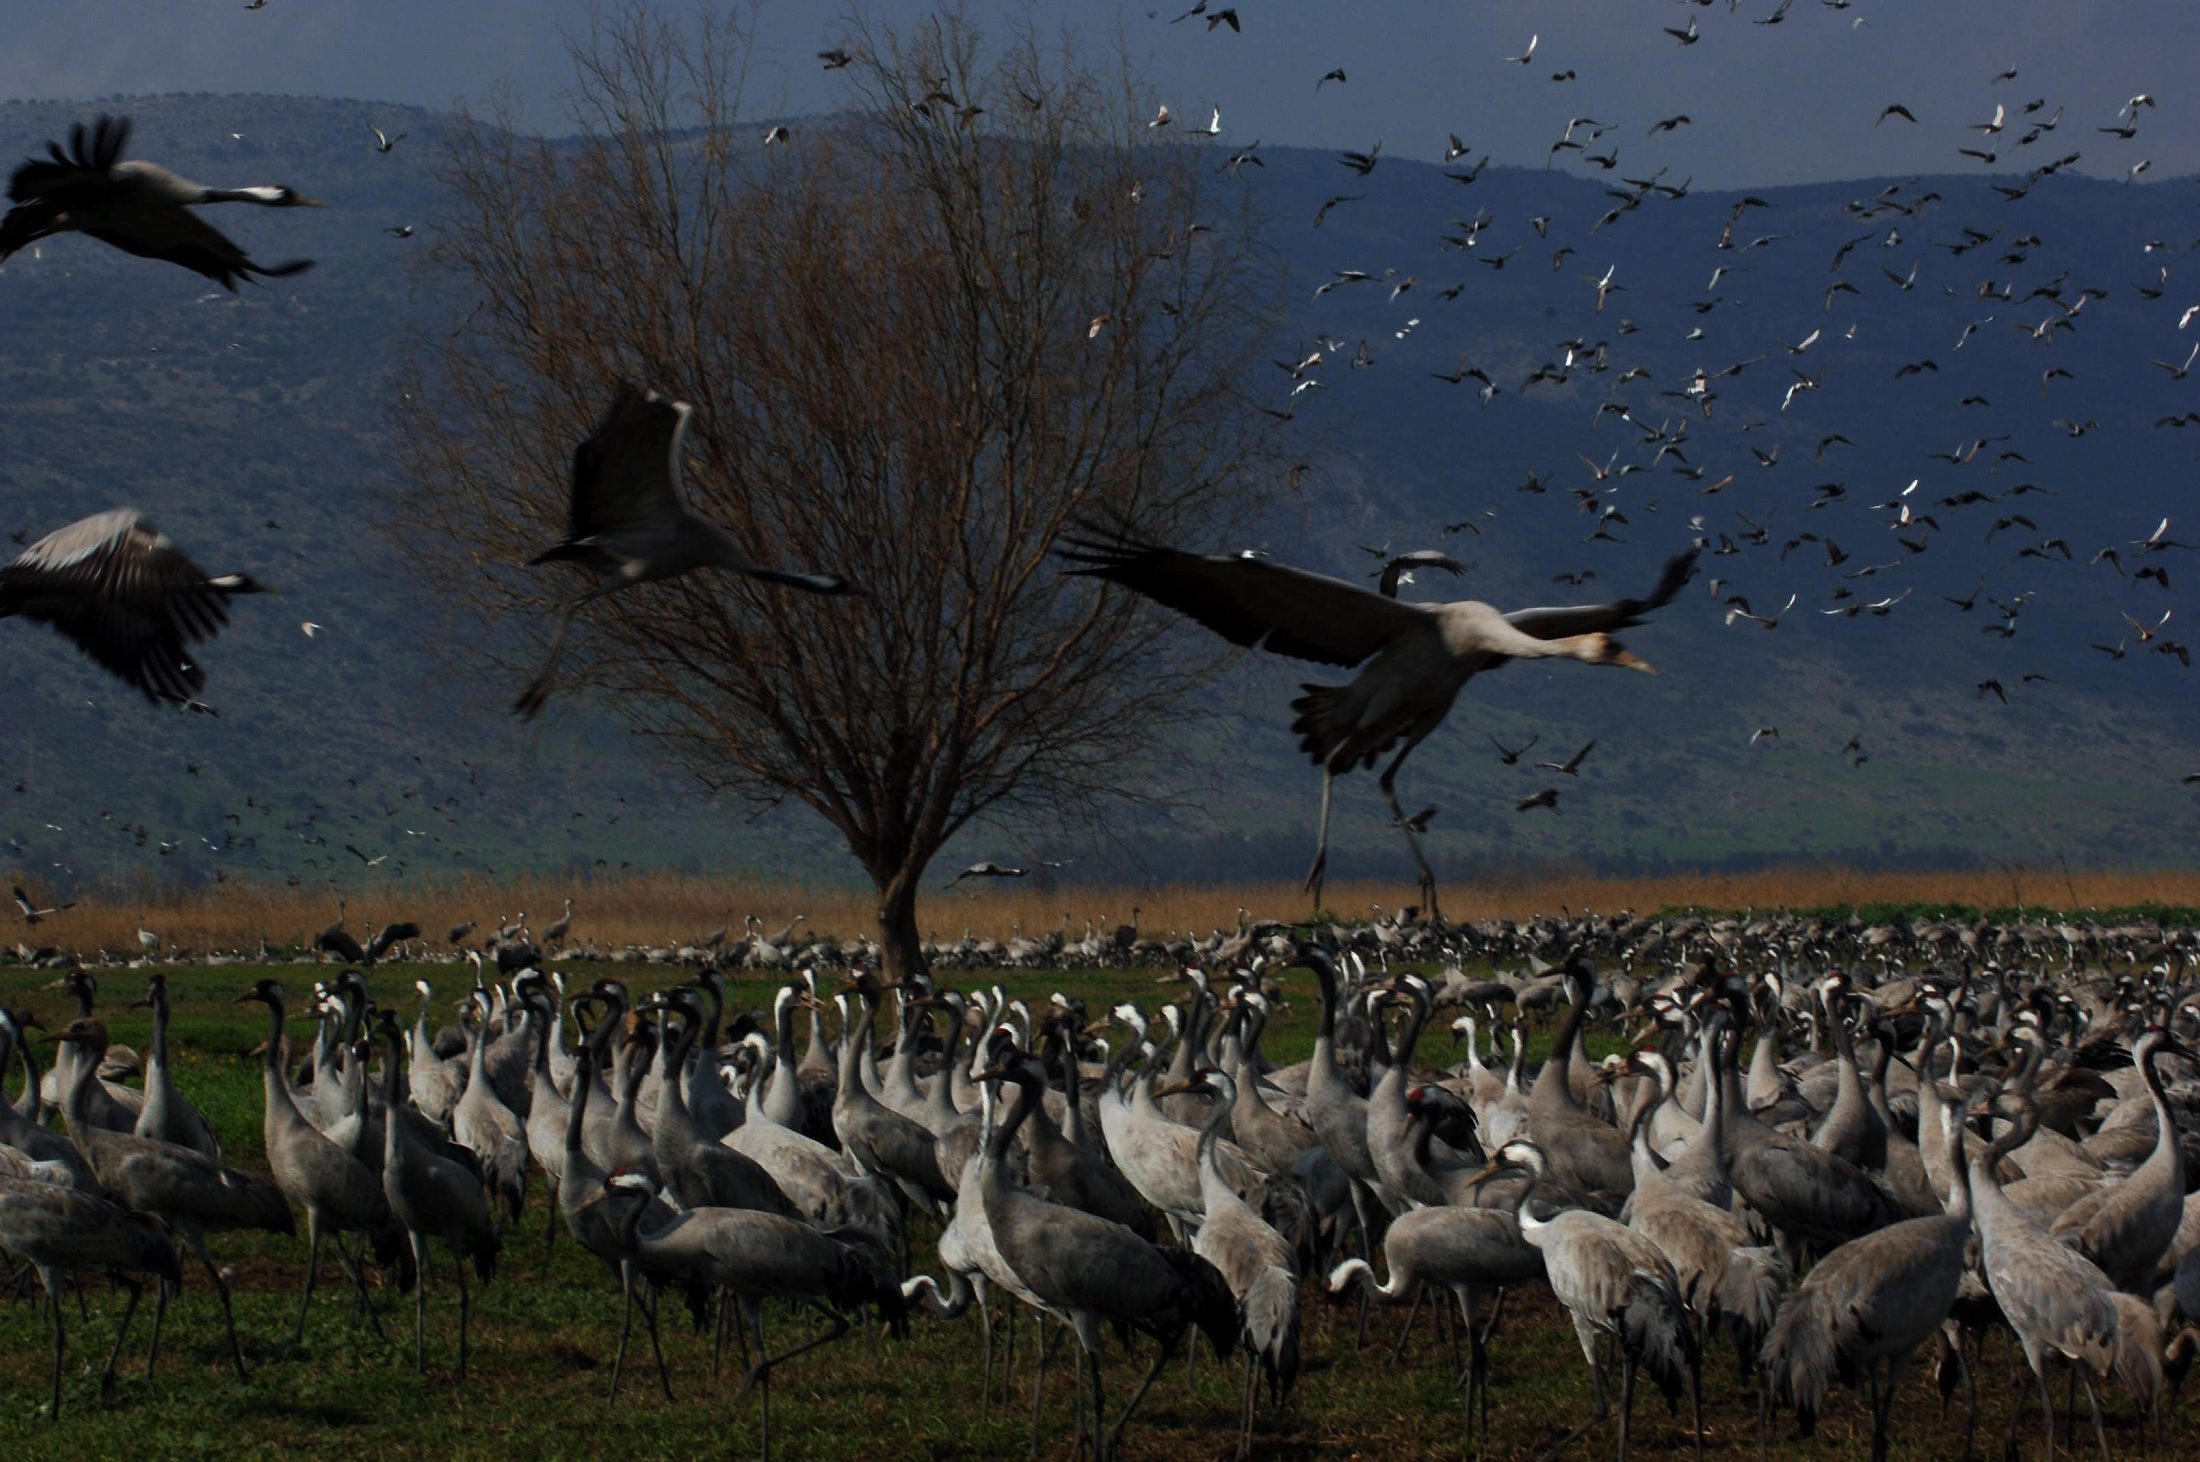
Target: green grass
544, 1333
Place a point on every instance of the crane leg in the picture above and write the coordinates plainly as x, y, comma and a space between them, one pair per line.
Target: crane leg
313, 1265
1039, 1376
626, 1326
537, 694
1115, 1438
2093, 1401
1601, 1409
465, 1311
550, 1228
122, 1331
1626, 1398
420, 1304
60, 1344
160, 1313
1405, 1332
1389, 784
1245, 1412
985, 1385
229, 1314
656, 1348
1321, 841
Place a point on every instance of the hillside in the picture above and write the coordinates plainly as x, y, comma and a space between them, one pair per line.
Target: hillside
254, 429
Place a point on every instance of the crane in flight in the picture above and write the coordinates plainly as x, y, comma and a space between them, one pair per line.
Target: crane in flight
629, 523
1414, 658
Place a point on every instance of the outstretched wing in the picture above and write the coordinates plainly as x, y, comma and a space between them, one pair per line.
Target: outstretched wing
626, 475
55, 177
124, 594
1249, 602
1580, 619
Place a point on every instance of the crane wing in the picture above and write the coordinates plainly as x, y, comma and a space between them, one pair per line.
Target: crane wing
626, 475
1266, 606
124, 594
1580, 619
86, 162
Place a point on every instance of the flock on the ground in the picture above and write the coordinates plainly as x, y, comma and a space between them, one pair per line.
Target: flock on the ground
1836, 1149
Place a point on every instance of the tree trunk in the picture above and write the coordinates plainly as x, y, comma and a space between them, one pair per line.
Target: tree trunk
900, 953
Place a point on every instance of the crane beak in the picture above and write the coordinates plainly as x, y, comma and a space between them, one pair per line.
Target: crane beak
300, 200
1630, 660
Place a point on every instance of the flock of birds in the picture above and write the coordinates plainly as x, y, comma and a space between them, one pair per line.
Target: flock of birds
1836, 1149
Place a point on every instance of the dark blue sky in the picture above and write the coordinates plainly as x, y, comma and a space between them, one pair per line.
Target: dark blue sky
1769, 103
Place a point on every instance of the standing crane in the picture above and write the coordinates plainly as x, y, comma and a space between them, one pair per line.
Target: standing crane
627, 520
115, 587
1417, 657
1256, 1262
166, 1116
1867, 1306
60, 1232
2054, 1298
432, 1197
759, 1256
191, 1193
139, 207
1613, 1282
335, 1189
1087, 1271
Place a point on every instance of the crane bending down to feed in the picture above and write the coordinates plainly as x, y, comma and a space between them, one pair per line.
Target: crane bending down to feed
118, 590
627, 520
1415, 658
139, 207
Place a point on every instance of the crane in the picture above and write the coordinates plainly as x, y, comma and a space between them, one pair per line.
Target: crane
758, 1256
116, 587
1416, 658
432, 1197
139, 207
1087, 1271
191, 1193
59, 1232
335, 1189
628, 523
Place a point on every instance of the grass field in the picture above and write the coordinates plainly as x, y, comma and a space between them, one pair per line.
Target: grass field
671, 909
544, 1332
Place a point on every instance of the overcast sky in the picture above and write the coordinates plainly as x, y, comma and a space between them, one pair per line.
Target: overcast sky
1790, 102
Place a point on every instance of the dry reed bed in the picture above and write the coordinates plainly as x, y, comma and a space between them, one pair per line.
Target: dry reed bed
655, 909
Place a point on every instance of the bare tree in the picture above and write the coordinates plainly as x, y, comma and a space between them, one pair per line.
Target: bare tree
923, 337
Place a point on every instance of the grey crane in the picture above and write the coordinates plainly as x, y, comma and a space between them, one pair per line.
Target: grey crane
140, 208
1086, 1271
759, 1256
699, 1171
1867, 1306
1258, 1265
488, 1128
1616, 1283
628, 523
26, 1131
433, 1081
2127, 1227
558, 926
59, 1232
876, 1138
167, 1116
432, 1197
1417, 657
2055, 1299
191, 1193
335, 1189
597, 1225
111, 1104
115, 587
1469, 1251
